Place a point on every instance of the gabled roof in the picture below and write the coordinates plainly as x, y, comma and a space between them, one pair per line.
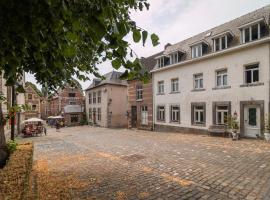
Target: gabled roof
34, 87
232, 27
112, 77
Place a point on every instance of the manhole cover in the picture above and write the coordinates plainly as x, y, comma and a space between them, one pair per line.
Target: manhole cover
133, 157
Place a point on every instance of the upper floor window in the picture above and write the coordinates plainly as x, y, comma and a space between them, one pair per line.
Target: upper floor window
175, 85
198, 81
196, 51
253, 31
94, 97
34, 107
90, 98
139, 92
252, 73
221, 78
99, 97
161, 113
163, 61
161, 87
221, 43
71, 94
30, 96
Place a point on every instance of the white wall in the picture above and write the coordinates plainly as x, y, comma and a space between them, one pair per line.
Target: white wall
234, 62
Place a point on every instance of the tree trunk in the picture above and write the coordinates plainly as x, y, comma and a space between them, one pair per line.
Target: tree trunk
13, 102
3, 149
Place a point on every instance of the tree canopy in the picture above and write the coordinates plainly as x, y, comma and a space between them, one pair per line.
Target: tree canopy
59, 39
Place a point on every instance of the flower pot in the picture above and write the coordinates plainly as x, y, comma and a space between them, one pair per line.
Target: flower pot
267, 136
235, 135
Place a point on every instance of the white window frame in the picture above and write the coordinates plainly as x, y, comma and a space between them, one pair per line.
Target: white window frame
175, 113
198, 78
174, 58
222, 111
94, 97
161, 113
161, 62
139, 92
252, 73
220, 43
174, 85
196, 51
160, 87
199, 111
90, 98
250, 33
99, 96
221, 73
144, 115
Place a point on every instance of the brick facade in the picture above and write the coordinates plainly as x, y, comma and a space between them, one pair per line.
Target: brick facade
133, 102
32, 99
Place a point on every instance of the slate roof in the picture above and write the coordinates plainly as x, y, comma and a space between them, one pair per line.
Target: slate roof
110, 78
231, 26
150, 62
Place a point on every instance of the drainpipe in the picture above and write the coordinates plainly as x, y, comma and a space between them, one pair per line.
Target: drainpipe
153, 100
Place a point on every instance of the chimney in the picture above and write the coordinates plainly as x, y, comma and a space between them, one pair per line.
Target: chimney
167, 45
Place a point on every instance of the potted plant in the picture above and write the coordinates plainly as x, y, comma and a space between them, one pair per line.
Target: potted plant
267, 128
233, 127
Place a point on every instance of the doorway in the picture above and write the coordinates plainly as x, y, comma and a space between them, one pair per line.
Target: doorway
134, 116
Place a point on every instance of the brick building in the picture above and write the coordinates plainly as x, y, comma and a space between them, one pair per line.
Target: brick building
33, 100
68, 102
140, 99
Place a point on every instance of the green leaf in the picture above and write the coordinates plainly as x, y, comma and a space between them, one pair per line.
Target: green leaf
116, 63
136, 35
155, 39
144, 36
69, 52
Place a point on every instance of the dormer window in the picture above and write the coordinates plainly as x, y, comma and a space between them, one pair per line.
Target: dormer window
175, 57
198, 49
163, 61
253, 31
222, 40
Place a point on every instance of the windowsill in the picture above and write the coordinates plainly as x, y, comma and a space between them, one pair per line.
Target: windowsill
139, 100
198, 90
252, 84
175, 122
221, 88
202, 125
161, 121
177, 92
160, 93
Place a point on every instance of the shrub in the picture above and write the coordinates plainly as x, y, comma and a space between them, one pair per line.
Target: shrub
12, 146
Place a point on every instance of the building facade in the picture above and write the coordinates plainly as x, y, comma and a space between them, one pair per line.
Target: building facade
140, 99
224, 71
106, 101
69, 103
33, 100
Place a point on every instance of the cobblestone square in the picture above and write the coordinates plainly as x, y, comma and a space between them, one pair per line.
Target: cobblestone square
100, 163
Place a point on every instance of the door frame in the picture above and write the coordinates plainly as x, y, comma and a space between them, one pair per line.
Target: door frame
259, 103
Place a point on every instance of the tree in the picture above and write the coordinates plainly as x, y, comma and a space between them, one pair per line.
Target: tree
58, 39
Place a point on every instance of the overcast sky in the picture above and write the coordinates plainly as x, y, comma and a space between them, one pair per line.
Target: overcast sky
176, 20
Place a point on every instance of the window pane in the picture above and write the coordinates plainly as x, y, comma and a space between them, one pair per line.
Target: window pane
219, 81
252, 116
254, 30
217, 44
247, 35
219, 118
248, 76
202, 118
201, 83
225, 79
223, 43
255, 75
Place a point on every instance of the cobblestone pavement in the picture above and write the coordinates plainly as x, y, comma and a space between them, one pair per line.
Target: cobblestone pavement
100, 163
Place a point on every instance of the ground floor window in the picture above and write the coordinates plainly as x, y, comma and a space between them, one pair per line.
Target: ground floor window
175, 113
99, 114
221, 115
74, 118
198, 115
90, 114
144, 115
161, 113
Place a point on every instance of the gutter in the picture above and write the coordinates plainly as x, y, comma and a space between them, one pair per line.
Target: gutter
229, 50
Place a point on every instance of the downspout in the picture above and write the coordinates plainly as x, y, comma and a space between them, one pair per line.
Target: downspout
153, 101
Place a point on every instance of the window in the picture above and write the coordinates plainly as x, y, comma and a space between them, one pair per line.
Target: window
196, 51
144, 115
94, 97
161, 113
174, 58
34, 107
99, 96
221, 78
139, 92
253, 32
72, 102
198, 81
221, 115
252, 73
99, 114
71, 94
175, 114
90, 98
90, 114
199, 115
163, 61
252, 116
221, 43
161, 87
175, 85
74, 118
30, 96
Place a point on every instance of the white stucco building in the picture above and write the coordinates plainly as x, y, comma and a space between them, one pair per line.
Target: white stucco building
224, 71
